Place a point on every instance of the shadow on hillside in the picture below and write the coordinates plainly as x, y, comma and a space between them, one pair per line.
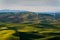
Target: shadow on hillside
55, 38
27, 36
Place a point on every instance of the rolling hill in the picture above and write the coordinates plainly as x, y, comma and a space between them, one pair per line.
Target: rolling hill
26, 25
25, 17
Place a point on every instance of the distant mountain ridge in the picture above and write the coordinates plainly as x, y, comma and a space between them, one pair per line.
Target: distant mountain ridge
7, 10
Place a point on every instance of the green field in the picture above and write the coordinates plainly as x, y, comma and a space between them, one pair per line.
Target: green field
16, 31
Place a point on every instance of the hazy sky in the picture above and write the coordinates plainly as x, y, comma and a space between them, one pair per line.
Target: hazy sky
31, 5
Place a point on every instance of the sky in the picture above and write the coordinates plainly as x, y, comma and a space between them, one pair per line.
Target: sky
31, 5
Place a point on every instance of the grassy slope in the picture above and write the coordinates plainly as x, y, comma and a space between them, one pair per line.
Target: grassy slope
7, 29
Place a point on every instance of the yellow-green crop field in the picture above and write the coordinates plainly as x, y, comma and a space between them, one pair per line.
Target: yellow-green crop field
11, 31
